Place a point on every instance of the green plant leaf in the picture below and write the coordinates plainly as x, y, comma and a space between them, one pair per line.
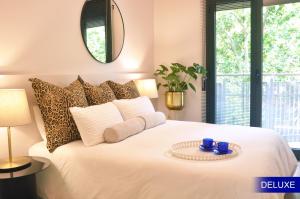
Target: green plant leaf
159, 72
172, 77
184, 86
164, 68
200, 70
194, 76
176, 77
158, 85
191, 73
181, 67
175, 69
192, 87
191, 69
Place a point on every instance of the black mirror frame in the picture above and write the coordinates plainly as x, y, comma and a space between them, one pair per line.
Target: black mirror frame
83, 36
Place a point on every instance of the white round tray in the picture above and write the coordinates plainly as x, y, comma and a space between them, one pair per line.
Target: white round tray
189, 150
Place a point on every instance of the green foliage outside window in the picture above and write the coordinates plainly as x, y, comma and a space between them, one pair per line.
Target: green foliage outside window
281, 64
96, 42
281, 40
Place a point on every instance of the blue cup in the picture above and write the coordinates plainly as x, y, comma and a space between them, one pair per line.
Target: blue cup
208, 143
222, 147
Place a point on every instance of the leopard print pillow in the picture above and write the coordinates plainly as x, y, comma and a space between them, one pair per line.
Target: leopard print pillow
54, 103
97, 94
124, 91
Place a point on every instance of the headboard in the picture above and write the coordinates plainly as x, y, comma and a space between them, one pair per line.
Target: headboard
25, 136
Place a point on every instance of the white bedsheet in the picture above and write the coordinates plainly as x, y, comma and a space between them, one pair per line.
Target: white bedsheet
140, 167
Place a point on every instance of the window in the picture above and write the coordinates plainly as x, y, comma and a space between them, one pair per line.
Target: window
253, 57
281, 70
96, 42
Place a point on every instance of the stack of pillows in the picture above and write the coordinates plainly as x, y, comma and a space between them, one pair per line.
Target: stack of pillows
109, 112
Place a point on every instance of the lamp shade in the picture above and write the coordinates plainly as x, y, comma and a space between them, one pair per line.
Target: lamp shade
147, 87
14, 109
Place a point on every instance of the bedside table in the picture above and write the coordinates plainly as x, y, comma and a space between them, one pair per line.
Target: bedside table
22, 184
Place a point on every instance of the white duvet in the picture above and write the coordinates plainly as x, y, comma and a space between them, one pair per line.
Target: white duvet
141, 168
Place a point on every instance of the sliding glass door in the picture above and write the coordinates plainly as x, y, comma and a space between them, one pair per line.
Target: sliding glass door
253, 58
234, 51
281, 71
233, 47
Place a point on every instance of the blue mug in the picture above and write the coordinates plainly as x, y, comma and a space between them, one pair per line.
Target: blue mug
208, 143
222, 147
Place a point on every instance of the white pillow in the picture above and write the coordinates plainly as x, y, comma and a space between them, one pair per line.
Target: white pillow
131, 108
93, 120
39, 121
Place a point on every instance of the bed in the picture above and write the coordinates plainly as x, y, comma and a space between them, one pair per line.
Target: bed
140, 167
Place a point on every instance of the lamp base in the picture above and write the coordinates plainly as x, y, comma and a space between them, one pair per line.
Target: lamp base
16, 164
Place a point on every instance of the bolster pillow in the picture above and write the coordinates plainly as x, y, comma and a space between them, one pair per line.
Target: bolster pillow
153, 119
121, 131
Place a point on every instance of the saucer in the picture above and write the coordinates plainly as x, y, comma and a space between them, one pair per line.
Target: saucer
202, 148
218, 152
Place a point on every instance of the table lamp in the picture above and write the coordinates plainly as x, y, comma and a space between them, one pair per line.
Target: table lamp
147, 87
14, 111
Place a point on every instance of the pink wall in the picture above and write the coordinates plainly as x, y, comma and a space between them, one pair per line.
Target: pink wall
44, 37
39, 38
179, 37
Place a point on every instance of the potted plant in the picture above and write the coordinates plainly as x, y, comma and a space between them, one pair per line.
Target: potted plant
177, 79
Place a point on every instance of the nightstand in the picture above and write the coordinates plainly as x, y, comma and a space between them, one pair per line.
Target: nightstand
22, 184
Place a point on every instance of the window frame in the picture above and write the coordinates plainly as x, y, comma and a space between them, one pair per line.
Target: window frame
256, 58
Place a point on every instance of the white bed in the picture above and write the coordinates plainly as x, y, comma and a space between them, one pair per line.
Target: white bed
141, 168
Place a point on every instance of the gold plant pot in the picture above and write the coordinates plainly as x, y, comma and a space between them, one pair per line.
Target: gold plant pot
175, 100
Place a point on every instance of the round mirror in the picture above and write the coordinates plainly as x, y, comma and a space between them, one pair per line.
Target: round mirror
102, 29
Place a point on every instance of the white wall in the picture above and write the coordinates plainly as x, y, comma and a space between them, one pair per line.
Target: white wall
43, 37
179, 37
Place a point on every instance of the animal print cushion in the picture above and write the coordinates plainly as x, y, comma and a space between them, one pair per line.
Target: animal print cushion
54, 103
97, 94
124, 91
